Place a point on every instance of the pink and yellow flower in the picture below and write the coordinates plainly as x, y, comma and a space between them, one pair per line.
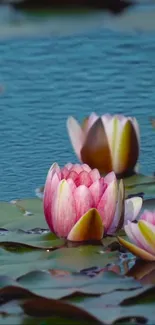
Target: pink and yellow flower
108, 143
142, 236
81, 205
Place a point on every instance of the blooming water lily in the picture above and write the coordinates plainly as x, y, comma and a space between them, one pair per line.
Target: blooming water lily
81, 205
142, 236
108, 143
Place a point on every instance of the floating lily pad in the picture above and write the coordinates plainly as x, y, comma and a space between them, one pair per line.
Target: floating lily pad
22, 214
140, 183
30, 241
37, 270
9, 213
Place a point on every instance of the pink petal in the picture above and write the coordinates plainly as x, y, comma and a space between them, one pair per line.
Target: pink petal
76, 135
51, 185
130, 234
64, 173
69, 166
63, 209
77, 168
136, 236
71, 184
86, 168
97, 189
148, 216
83, 201
94, 174
47, 187
107, 205
132, 208
83, 179
110, 178
73, 175
55, 169
91, 120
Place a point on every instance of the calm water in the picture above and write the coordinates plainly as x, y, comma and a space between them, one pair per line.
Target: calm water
48, 78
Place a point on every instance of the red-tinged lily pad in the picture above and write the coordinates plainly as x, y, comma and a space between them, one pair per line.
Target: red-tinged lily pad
48, 307
143, 271
15, 292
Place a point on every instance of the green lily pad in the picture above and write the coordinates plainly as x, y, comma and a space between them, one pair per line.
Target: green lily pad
33, 205
140, 183
37, 270
147, 296
9, 213
113, 298
22, 214
45, 284
15, 241
69, 259
75, 259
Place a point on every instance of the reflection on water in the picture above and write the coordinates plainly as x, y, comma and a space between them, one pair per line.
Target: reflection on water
15, 23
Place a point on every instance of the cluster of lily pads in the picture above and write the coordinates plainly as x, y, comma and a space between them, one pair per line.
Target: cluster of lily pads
64, 255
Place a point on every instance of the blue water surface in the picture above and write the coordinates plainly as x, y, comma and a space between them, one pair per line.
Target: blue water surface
45, 79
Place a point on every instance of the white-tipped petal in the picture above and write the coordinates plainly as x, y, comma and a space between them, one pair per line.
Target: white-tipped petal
132, 208
76, 135
122, 134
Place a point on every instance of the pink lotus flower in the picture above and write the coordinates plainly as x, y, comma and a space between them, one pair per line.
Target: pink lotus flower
80, 205
142, 234
108, 143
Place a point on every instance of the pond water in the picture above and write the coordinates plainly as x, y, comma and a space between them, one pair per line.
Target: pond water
45, 79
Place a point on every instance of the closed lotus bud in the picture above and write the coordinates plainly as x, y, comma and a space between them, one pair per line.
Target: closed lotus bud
108, 143
81, 205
